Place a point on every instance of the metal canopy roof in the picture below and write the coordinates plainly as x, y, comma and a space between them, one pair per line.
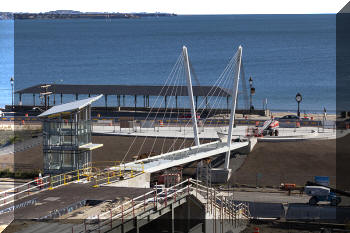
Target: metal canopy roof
69, 107
126, 90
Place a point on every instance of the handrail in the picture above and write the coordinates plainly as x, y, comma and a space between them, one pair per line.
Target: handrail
131, 208
13, 196
19, 186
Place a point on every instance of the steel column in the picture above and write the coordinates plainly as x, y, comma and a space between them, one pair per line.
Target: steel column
190, 94
233, 108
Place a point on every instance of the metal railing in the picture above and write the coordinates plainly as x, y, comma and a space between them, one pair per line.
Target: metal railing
10, 195
69, 177
153, 200
94, 175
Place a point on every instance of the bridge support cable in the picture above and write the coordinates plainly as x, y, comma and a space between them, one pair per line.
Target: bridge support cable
220, 82
219, 90
244, 88
176, 85
224, 81
175, 67
176, 76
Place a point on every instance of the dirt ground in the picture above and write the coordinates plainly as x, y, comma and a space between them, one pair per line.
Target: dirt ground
285, 227
115, 148
269, 164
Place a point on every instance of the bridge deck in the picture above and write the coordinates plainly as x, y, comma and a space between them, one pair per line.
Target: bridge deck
184, 156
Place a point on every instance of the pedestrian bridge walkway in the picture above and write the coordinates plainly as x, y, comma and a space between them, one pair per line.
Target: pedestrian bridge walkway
184, 156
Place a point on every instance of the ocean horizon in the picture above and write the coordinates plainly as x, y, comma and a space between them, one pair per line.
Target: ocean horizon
284, 54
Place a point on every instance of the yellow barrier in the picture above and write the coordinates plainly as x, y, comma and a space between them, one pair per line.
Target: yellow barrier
68, 177
95, 173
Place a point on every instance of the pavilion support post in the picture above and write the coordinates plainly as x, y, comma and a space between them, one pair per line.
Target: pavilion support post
144, 101
61, 98
190, 95
89, 95
118, 98
20, 98
123, 100
76, 96
148, 101
106, 100
165, 101
33, 100
227, 101
233, 108
176, 100
48, 102
206, 102
135, 101
196, 102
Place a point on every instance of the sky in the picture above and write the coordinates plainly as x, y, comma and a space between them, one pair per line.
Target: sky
180, 6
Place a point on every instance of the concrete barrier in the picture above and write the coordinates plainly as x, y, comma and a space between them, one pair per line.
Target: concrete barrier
140, 181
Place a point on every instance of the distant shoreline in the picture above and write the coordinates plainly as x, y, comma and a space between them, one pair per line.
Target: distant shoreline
80, 15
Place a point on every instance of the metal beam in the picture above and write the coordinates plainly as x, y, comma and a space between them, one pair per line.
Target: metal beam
190, 94
233, 107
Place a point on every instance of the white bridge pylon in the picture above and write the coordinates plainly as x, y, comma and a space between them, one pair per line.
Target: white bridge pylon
230, 79
190, 95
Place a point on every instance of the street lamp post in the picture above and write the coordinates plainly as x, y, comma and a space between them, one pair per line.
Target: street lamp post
298, 98
12, 80
252, 92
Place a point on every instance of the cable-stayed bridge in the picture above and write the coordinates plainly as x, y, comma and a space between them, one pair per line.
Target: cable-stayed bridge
228, 82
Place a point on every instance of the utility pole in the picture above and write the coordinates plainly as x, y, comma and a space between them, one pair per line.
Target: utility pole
12, 81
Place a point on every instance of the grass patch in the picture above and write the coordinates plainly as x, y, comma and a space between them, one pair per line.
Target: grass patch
19, 174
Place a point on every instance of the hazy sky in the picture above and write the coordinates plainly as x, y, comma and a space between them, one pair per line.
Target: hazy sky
179, 6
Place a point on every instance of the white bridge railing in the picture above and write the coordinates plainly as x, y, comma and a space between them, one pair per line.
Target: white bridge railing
10, 195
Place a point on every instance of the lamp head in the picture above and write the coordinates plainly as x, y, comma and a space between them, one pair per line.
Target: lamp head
298, 97
250, 81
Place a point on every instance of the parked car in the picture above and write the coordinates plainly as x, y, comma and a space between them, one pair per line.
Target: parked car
292, 118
